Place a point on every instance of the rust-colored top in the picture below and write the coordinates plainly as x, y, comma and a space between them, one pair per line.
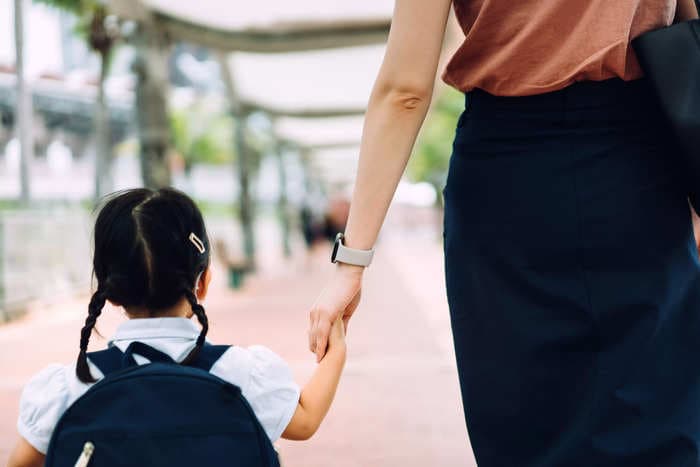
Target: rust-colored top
523, 47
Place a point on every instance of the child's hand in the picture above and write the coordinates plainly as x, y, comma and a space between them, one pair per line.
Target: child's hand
336, 339
316, 397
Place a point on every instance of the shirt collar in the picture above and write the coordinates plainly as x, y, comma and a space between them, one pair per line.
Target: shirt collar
155, 328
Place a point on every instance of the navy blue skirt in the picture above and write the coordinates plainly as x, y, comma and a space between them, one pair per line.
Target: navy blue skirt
573, 280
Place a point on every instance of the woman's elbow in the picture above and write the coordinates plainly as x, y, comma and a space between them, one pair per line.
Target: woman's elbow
405, 97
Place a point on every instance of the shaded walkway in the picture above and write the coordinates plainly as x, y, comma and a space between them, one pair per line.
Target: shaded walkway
398, 402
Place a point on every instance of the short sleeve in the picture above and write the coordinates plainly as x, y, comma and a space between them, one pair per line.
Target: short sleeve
272, 392
266, 382
44, 400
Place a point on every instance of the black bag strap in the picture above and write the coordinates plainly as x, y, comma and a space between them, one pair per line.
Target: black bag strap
145, 350
112, 359
208, 356
108, 360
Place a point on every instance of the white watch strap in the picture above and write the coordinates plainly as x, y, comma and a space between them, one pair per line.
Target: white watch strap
352, 256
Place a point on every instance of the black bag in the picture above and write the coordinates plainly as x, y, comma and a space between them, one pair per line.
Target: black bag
670, 58
161, 414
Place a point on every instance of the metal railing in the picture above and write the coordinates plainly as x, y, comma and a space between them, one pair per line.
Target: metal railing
43, 255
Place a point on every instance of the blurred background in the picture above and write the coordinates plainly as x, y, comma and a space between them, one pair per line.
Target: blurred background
254, 109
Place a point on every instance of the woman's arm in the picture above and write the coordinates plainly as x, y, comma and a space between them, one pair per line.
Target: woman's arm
686, 10
25, 455
317, 395
397, 107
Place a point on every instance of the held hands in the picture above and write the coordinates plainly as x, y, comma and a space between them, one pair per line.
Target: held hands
336, 303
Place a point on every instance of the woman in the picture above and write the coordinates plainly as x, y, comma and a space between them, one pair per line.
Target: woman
572, 277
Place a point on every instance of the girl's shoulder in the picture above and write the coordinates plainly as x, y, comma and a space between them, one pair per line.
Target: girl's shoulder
44, 399
252, 368
266, 382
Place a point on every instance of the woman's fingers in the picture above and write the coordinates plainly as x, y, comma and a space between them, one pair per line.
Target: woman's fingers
338, 300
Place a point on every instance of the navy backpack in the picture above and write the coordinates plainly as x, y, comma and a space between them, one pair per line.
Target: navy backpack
159, 414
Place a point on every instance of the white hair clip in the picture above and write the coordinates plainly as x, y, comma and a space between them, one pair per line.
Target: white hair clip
198, 243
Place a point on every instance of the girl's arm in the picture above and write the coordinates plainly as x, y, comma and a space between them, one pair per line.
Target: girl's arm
25, 455
686, 10
317, 396
397, 107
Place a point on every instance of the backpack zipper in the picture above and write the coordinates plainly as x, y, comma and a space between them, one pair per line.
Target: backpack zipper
86, 455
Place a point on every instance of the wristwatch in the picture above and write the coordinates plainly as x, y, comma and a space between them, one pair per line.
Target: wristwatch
343, 254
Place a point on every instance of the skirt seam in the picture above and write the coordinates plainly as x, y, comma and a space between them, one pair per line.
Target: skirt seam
596, 396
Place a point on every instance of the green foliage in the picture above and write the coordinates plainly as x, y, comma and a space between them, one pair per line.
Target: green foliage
434, 147
217, 209
83, 10
202, 136
89, 15
77, 7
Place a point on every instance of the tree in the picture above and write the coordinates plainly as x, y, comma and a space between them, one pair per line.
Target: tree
200, 135
432, 157
151, 68
23, 115
93, 25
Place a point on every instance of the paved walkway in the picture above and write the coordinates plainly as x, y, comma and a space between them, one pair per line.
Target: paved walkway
398, 403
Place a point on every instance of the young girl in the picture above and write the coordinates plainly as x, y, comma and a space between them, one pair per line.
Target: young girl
152, 258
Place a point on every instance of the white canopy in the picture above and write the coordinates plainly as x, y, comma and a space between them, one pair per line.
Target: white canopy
319, 132
330, 82
306, 58
272, 14
325, 80
270, 26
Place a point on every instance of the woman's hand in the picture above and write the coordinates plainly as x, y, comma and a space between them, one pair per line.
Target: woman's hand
338, 301
685, 10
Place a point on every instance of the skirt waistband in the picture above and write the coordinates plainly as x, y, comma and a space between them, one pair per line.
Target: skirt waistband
611, 93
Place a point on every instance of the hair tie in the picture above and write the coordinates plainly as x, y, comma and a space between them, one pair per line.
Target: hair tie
198, 243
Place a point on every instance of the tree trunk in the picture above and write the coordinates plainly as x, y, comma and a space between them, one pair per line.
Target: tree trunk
103, 146
243, 161
282, 204
151, 108
23, 115
245, 202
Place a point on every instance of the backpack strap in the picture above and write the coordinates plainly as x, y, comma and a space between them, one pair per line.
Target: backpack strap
112, 359
145, 350
108, 360
208, 355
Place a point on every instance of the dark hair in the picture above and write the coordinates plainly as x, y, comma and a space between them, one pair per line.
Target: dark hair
146, 256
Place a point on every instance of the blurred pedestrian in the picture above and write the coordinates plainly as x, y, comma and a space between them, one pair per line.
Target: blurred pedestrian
572, 273
336, 216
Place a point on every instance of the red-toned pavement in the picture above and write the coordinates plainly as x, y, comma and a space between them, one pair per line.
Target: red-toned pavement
398, 403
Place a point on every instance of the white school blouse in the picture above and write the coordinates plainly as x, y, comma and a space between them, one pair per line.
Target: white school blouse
264, 378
